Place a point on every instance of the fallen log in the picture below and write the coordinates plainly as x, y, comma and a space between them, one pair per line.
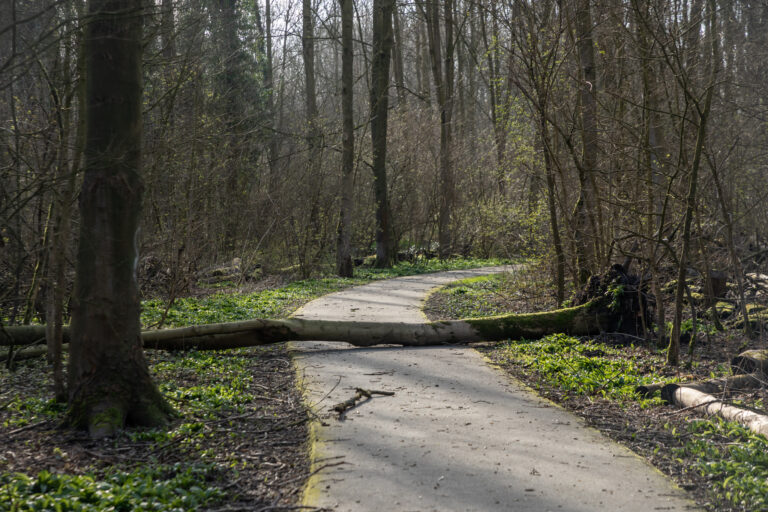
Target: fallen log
689, 398
723, 386
589, 318
750, 361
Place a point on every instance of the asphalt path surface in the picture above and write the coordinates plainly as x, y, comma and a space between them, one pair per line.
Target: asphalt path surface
458, 434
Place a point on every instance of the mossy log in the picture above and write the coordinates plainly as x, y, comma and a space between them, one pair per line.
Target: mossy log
586, 319
687, 397
750, 361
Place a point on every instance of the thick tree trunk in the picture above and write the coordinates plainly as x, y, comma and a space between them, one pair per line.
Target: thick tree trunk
109, 383
590, 318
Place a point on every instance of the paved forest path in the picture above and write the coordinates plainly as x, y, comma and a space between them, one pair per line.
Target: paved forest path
458, 435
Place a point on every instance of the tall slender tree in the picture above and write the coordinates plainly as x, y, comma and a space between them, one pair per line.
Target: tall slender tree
344, 248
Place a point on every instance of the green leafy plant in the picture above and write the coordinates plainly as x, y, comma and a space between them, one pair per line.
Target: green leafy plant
732, 458
148, 488
582, 367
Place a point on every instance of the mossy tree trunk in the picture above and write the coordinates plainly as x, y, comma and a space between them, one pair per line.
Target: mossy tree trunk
109, 383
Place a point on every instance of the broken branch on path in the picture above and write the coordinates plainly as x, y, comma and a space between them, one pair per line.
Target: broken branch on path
356, 400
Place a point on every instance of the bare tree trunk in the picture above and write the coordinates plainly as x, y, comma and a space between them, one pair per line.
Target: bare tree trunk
673, 350
63, 218
398, 59
344, 265
380, 60
585, 228
552, 202
442, 74
738, 270
109, 382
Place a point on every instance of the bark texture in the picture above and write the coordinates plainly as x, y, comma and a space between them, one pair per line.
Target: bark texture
380, 59
344, 265
109, 383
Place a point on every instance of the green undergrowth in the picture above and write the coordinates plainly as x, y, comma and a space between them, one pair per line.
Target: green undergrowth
472, 298
584, 367
148, 488
733, 459
204, 387
229, 305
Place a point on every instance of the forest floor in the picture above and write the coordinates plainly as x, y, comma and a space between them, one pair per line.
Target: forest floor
238, 443
239, 440
723, 466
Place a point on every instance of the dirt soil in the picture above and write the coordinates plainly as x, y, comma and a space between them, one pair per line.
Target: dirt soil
645, 431
269, 454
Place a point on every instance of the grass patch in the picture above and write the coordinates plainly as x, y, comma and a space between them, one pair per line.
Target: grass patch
231, 306
584, 367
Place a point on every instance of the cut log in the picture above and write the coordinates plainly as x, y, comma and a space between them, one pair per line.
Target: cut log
687, 397
586, 319
722, 387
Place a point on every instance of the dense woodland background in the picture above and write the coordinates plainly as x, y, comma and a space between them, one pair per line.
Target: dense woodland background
582, 132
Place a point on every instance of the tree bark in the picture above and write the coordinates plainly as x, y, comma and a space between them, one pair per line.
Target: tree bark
688, 397
585, 228
109, 383
380, 61
344, 265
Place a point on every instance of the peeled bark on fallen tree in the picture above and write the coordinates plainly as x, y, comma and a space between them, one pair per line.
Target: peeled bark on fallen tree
724, 386
687, 397
590, 318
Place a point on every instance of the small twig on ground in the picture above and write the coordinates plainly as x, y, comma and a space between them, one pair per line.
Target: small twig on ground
28, 427
356, 400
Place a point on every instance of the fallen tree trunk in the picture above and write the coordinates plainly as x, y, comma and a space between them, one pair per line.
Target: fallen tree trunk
750, 361
586, 319
723, 386
687, 397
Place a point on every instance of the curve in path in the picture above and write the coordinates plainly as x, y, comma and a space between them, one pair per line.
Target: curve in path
457, 435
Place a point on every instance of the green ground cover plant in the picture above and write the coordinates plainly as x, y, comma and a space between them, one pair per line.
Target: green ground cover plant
584, 367
148, 488
229, 305
732, 458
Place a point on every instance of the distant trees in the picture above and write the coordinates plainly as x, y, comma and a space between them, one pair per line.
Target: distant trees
571, 130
